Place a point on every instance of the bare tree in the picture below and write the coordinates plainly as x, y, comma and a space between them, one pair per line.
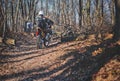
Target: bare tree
88, 12
112, 12
117, 20
80, 13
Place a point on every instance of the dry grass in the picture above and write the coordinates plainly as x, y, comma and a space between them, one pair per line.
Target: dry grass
108, 36
10, 41
98, 51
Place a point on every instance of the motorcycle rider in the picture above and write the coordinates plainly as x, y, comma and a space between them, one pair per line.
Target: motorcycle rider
44, 24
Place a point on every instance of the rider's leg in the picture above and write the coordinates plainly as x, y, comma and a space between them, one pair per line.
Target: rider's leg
39, 42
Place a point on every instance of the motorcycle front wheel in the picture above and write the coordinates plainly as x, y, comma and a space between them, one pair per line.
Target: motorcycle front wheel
47, 40
46, 43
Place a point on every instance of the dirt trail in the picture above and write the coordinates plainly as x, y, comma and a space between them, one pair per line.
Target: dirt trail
20, 64
60, 62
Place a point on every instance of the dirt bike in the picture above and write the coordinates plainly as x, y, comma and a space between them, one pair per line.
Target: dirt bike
44, 38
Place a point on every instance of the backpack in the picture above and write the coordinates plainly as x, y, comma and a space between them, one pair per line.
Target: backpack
42, 23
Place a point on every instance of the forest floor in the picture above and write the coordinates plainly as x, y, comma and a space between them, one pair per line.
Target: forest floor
86, 60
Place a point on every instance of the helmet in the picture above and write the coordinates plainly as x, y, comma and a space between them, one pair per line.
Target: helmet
40, 13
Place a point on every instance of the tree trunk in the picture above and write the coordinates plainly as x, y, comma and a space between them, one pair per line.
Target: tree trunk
46, 10
41, 5
12, 5
112, 12
117, 20
1, 18
80, 13
16, 16
88, 12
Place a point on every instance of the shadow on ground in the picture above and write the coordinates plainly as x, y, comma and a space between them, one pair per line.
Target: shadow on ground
34, 53
79, 68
